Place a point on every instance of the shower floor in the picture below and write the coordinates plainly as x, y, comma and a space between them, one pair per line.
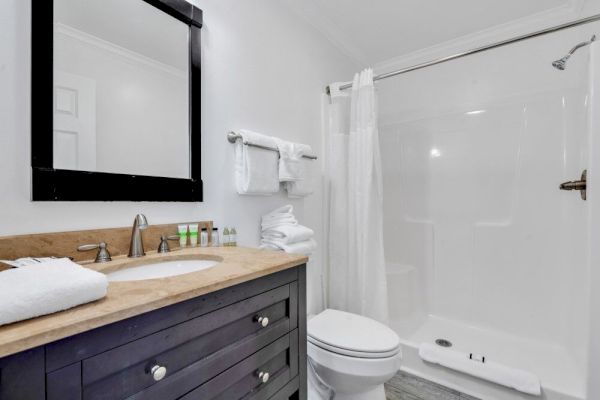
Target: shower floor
561, 378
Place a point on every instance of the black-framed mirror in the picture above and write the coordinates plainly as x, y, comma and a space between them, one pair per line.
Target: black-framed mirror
116, 100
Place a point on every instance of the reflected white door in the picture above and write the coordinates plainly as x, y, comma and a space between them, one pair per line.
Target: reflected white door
74, 122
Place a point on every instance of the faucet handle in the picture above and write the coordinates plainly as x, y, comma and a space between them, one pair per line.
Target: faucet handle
103, 254
163, 247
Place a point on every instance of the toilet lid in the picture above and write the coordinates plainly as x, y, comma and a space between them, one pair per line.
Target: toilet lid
352, 335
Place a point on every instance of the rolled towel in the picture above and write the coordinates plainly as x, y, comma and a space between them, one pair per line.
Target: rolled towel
48, 287
520, 380
256, 168
288, 234
281, 216
306, 248
290, 160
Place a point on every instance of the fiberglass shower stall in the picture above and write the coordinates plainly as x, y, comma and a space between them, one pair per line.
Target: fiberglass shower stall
483, 250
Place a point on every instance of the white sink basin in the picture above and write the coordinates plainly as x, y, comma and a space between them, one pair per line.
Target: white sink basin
160, 270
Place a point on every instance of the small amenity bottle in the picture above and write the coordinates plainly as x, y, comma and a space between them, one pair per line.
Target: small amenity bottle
226, 237
183, 234
232, 237
204, 237
214, 238
193, 235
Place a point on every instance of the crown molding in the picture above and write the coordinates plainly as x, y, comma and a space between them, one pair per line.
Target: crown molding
113, 48
311, 14
534, 22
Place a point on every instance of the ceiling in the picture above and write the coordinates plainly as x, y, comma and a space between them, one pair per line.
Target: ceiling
375, 31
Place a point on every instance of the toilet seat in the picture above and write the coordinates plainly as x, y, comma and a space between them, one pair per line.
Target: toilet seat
352, 335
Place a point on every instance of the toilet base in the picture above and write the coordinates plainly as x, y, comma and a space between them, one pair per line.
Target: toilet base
376, 393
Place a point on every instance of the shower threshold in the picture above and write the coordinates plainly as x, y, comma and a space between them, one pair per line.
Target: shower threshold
560, 376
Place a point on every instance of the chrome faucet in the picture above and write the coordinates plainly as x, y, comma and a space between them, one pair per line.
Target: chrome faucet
136, 247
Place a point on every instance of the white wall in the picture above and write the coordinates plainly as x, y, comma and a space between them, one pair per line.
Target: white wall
594, 232
263, 69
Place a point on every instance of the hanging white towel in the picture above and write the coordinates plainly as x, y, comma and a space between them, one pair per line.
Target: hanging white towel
48, 287
523, 381
306, 186
256, 169
306, 248
290, 160
288, 234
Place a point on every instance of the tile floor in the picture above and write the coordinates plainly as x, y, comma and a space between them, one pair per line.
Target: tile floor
404, 386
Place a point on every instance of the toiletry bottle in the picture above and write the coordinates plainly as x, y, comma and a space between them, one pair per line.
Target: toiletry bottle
226, 237
183, 232
232, 237
214, 238
193, 235
203, 238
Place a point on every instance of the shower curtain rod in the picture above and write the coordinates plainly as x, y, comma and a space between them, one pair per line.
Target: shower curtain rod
476, 50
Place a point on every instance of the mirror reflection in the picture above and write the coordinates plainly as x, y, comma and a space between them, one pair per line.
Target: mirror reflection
121, 97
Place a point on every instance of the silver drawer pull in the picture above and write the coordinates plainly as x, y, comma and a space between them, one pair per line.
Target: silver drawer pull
263, 321
158, 372
263, 377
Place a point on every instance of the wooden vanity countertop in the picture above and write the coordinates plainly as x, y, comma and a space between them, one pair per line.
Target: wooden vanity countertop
128, 299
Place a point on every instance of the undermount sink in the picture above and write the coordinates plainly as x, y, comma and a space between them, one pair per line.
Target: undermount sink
160, 270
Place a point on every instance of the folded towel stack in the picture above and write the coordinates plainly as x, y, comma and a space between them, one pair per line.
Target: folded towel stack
48, 287
281, 231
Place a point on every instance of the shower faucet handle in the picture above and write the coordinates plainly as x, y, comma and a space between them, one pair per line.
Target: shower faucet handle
580, 185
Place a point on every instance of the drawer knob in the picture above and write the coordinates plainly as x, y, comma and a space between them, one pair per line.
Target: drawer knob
263, 376
263, 321
158, 372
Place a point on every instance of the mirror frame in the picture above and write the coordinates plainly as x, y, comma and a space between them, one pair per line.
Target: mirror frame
50, 184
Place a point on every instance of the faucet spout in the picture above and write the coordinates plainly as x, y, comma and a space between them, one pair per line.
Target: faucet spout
136, 246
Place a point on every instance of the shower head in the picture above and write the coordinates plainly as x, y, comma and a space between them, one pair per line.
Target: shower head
562, 63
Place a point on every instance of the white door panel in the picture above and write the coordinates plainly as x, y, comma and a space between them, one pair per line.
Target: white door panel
74, 122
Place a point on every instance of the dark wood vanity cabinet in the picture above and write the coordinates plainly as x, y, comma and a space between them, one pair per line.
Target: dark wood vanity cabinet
243, 342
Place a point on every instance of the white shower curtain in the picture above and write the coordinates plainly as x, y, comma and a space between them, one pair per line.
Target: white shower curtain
357, 277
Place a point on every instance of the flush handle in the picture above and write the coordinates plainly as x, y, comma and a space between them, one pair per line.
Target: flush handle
580, 185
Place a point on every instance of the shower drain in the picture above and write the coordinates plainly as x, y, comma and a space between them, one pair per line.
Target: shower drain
443, 343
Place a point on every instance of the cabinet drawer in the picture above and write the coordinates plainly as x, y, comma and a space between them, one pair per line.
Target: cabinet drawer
76, 348
279, 360
210, 343
22, 376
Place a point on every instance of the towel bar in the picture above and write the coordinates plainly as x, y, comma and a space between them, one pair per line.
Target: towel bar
232, 137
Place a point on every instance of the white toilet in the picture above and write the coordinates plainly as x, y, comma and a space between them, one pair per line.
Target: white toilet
352, 355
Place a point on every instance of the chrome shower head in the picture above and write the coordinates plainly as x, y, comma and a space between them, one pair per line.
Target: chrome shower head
562, 63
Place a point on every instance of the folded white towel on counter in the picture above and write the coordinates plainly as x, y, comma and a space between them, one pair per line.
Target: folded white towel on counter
306, 248
48, 287
288, 234
520, 380
281, 216
256, 169
306, 186
290, 160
